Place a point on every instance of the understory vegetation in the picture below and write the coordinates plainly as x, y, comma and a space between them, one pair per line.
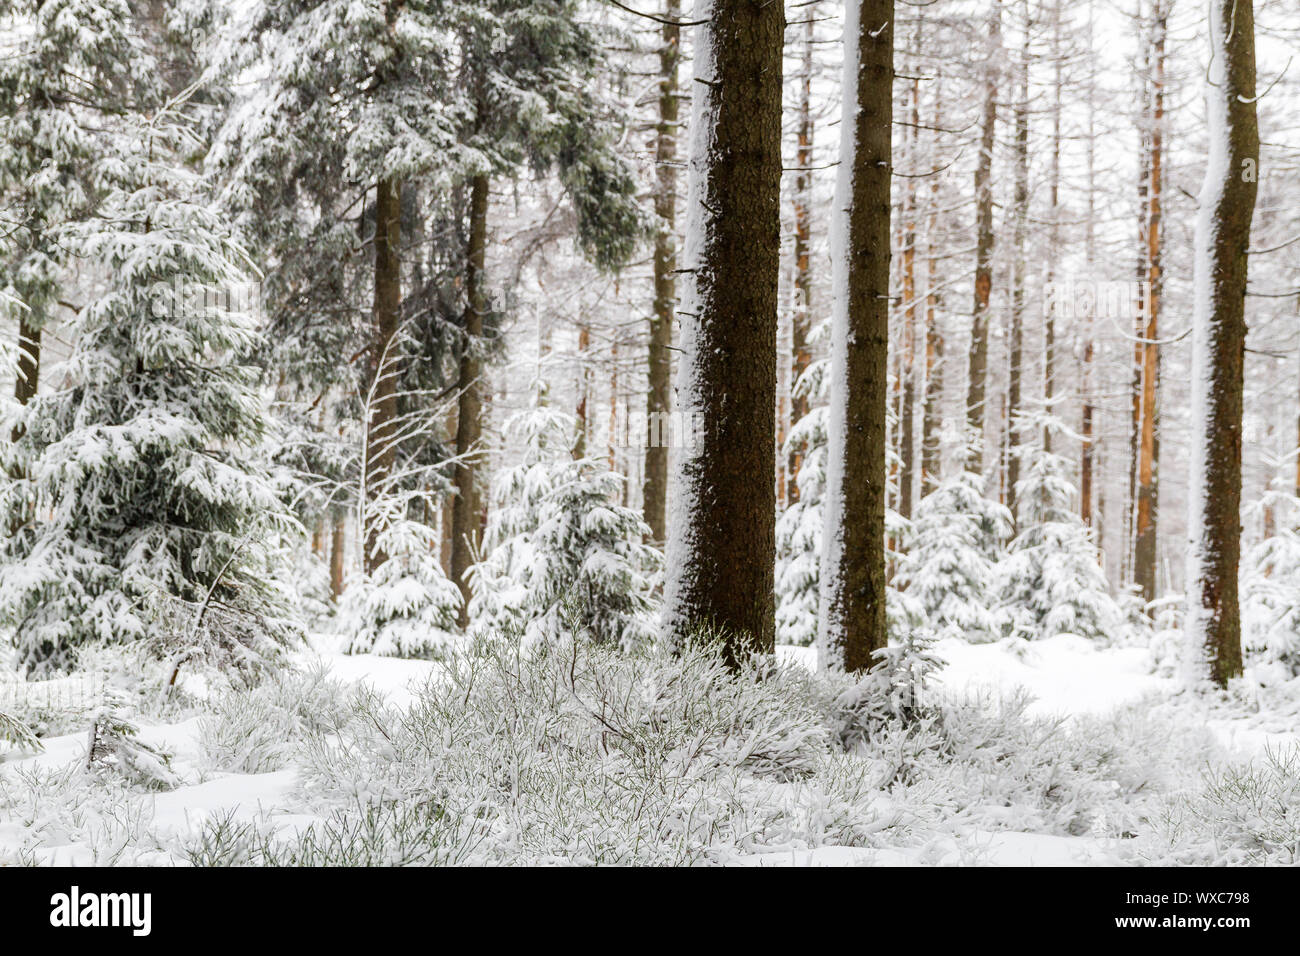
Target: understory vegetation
572, 752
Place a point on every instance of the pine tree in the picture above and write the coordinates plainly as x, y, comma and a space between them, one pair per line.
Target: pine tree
722, 537
852, 615
140, 463
559, 550
1270, 581
1050, 581
1227, 206
958, 538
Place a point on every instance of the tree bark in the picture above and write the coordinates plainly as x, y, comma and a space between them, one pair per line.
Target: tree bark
852, 611
906, 416
931, 416
1227, 205
337, 544
381, 450
722, 538
659, 399
1144, 537
1020, 207
465, 511
979, 334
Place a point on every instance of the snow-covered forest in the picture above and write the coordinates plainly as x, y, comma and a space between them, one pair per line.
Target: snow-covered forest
649, 432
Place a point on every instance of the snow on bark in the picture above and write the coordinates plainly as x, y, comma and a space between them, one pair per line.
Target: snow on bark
722, 539
1227, 203
853, 561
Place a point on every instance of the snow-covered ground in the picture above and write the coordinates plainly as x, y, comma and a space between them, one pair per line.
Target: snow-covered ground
1066, 678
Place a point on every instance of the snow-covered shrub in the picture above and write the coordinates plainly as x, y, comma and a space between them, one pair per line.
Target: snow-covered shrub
556, 536
572, 751
255, 730
407, 606
957, 538
1270, 603
1241, 815
1051, 581
116, 747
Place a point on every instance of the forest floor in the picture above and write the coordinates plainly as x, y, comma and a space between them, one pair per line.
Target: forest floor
1064, 754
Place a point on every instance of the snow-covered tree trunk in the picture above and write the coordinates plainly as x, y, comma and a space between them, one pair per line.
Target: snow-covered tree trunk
381, 448
659, 398
721, 546
979, 334
465, 509
852, 609
1227, 205
1145, 527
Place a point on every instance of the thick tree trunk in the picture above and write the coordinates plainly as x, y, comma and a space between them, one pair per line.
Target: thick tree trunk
801, 325
1144, 535
852, 611
659, 399
979, 334
381, 449
722, 539
1227, 205
465, 511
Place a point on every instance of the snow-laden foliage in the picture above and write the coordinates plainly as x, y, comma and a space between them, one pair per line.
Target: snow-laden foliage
799, 532
1051, 580
406, 607
957, 539
134, 481
558, 539
800, 527
1270, 594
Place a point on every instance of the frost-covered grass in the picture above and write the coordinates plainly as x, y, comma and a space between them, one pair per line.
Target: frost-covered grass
573, 753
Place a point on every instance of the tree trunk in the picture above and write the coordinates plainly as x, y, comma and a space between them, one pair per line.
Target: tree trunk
906, 416
465, 512
722, 538
659, 399
979, 333
381, 448
1227, 205
852, 611
1090, 252
801, 324
337, 542
932, 415
1020, 205
29, 365
1144, 538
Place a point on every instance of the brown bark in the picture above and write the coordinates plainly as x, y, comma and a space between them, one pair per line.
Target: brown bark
654, 491
979, 336
1222, 239
852, 612
381, 448
1144, 535
931, 415
584, 392
466, 511
722, 542
906, 417
336, 557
